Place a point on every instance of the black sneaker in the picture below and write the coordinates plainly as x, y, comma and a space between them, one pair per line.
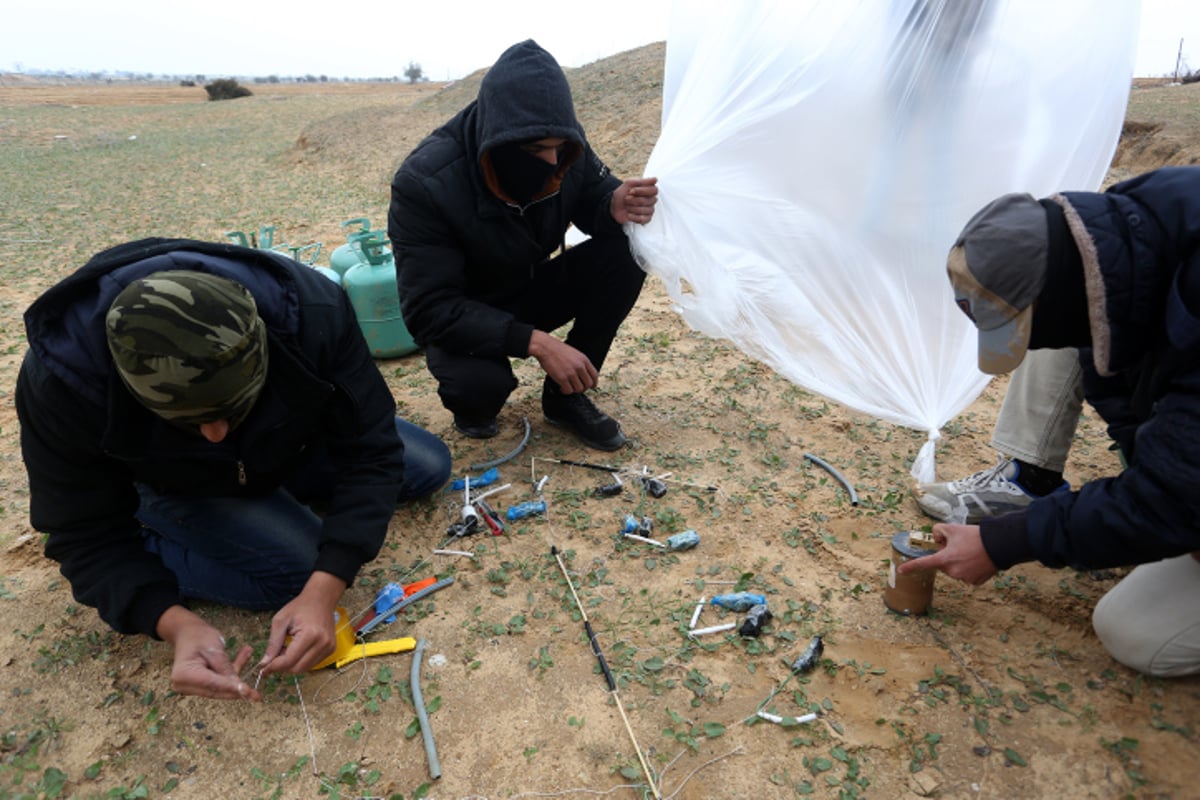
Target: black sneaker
472, 429
577, 412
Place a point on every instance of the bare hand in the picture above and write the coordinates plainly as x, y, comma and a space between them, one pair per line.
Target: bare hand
961, 556
566, 366
202, 667
304, 632
633, 200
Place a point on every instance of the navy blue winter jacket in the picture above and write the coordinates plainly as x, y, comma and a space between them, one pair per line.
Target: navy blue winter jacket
86, 440
1140, 246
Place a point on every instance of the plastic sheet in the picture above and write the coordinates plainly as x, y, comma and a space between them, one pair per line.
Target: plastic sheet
818, 157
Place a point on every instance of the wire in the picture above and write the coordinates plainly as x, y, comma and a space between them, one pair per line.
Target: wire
414, 679
842, 480
503, 459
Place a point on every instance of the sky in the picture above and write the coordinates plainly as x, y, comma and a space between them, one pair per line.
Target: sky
375, 39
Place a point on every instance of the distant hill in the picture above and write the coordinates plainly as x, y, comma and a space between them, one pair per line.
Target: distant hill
619, 102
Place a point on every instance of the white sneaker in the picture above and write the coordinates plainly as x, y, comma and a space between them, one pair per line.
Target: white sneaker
987, 493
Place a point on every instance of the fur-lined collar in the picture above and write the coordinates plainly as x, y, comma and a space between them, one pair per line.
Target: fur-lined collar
1098, 321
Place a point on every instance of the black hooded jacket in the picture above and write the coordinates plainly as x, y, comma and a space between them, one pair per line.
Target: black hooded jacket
86, 440
1139, 248
463, 252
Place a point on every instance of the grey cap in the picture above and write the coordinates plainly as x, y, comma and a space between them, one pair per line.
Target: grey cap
998, 268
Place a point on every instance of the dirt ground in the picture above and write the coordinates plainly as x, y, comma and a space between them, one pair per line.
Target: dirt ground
1002, 691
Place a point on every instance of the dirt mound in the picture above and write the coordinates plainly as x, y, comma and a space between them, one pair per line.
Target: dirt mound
618, 101
1162, 128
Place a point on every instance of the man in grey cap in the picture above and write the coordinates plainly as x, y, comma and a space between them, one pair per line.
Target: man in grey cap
1116, 275
182, 405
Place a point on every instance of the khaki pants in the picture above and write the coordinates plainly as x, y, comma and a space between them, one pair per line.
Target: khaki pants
1150, 621
1041, 409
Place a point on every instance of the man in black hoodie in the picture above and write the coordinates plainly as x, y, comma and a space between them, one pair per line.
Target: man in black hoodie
478, 211
1115, 274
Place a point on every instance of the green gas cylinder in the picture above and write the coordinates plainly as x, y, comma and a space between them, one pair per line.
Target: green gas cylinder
347, 255
371, 287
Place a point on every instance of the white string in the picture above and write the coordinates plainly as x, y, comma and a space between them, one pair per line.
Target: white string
739, 750
312, 744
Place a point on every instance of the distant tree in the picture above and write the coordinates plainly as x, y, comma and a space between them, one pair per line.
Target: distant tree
226, 89
199, 78
414, 72
272, 79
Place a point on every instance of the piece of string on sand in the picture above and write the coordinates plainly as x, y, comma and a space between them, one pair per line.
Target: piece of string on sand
737, 751
308, 728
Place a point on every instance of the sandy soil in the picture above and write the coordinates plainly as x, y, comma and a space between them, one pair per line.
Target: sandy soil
1002, 691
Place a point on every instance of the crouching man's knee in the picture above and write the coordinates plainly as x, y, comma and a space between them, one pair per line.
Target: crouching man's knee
1150, 621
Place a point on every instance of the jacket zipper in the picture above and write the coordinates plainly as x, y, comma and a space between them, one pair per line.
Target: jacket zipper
521, 213
241, 473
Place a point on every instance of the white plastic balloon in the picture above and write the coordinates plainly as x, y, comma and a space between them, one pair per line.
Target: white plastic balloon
817, 159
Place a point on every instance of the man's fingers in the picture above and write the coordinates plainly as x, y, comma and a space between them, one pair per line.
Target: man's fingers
284, 661
235, 689
217, 659
210, 683
243, 656
275, 642
932, 561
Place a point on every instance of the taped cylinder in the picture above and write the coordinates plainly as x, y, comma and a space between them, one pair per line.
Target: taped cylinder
911, 594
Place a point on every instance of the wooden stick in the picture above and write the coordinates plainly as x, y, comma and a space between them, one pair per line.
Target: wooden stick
608, 676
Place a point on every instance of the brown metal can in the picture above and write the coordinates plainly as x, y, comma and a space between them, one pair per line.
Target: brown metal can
911, 594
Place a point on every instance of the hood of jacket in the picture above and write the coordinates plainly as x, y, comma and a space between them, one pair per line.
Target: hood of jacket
65, 325
524, 97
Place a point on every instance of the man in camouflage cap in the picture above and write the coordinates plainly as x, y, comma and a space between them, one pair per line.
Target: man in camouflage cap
181, 405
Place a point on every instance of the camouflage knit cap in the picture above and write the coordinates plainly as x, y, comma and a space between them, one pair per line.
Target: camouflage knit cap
190, 346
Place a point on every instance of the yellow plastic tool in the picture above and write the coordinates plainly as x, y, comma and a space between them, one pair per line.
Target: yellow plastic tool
347, 650
368, 649
344, 632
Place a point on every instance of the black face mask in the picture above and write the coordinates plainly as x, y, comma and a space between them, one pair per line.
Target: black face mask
521, 175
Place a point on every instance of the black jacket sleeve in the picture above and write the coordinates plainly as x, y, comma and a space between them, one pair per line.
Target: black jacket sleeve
86, 501
366, 451
1148, 512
